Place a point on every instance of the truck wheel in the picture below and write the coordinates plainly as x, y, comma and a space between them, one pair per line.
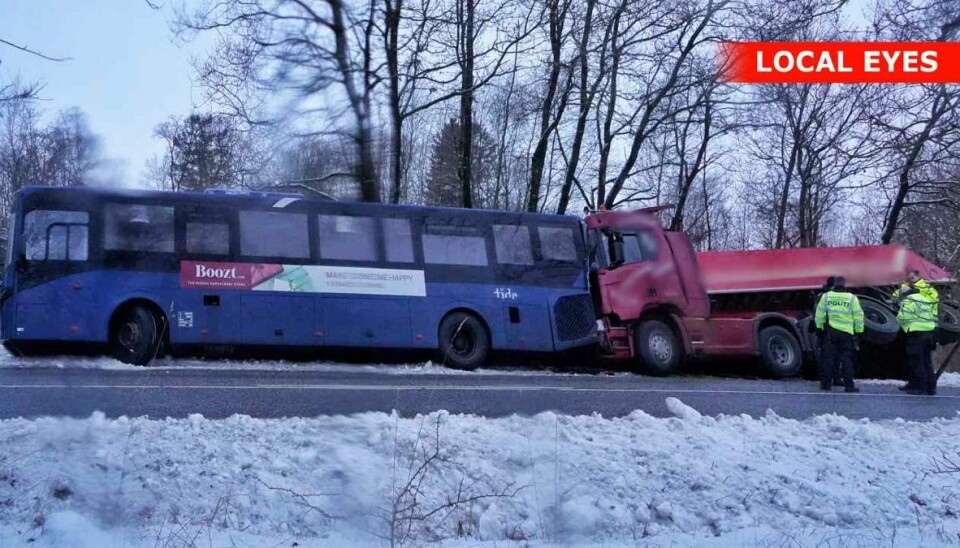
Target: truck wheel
464, 343
948, 330
658, 348
879, 322
780, 352
135, 337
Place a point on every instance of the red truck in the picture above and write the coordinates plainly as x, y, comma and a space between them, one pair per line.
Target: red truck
660, 302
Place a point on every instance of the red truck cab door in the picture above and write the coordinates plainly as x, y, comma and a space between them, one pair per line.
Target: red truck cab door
685, 259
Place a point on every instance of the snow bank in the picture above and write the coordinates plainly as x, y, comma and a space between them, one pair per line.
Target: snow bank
463, 480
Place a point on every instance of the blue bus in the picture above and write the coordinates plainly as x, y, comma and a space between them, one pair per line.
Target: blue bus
138, 273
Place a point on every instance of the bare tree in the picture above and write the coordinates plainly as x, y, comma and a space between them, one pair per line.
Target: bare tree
687, 27
15, 90
299, 45
587, 91
922, 122
557, 93
61, 153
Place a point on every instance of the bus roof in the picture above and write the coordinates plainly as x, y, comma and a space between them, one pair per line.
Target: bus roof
263, 198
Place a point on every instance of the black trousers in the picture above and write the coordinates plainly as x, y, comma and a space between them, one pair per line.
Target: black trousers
920, 360
821, 342
836, 353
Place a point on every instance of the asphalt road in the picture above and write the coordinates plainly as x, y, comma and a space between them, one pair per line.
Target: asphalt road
217, 393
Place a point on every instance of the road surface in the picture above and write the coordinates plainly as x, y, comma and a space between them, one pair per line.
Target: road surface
218, 393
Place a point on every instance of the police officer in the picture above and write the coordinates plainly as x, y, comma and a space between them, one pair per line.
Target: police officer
840, 317
837, 378
919, 308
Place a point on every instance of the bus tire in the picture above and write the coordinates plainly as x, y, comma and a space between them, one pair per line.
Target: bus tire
658, 348
13, 348
464, 342
135, 336
780, 352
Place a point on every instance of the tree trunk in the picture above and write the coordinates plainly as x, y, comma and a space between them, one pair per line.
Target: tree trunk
465, 167
557, 18
690, 177
365, 169
585, 104
392, 13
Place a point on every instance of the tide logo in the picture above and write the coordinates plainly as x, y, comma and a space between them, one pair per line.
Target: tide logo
504, 294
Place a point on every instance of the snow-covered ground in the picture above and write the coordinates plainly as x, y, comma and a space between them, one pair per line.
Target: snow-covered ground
468, 481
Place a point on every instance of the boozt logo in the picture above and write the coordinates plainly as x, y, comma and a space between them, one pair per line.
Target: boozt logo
504, 294
218, 273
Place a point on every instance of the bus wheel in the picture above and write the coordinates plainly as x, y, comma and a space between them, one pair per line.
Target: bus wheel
780, 352
464, 342
135, 337
658, 348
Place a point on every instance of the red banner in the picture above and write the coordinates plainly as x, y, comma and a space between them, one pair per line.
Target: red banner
841, 62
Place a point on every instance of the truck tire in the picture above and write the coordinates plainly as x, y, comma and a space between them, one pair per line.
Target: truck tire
879, 321
948, 330
658, 349
464, 343
808, 334
780, 352
135, 336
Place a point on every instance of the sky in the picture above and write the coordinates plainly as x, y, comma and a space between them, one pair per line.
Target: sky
126, 72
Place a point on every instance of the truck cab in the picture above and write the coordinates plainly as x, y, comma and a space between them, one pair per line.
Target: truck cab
645, 282
654, 307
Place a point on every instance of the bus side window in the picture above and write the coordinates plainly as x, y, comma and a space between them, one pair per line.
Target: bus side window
463, 249
512, 243
557, 244
274, 234
208, 238
398, 240
139, 228
56, 235
347, 238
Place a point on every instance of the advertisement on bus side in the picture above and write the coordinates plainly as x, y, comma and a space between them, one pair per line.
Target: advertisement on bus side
302, 278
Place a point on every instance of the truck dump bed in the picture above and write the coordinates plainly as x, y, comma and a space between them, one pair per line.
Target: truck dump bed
808, 268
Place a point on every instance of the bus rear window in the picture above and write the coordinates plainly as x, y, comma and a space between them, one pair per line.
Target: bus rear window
141, 228
52, 235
